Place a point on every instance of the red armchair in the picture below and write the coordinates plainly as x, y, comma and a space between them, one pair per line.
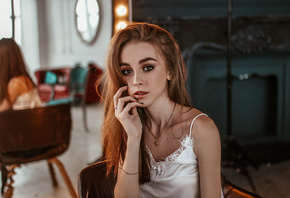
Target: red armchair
49, 90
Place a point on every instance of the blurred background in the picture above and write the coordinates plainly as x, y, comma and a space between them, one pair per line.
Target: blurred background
237, 54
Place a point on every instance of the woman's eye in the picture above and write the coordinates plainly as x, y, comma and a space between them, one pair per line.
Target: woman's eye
126, 71
148, 68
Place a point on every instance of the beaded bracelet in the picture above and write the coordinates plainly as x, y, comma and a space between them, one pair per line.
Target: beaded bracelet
127, 172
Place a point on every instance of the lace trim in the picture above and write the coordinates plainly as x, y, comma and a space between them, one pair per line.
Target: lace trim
186, 143
183, 154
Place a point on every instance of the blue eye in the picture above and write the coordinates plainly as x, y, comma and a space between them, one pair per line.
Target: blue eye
126, 71
148, 68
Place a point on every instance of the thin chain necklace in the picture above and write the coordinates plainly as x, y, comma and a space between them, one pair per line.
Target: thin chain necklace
156, 142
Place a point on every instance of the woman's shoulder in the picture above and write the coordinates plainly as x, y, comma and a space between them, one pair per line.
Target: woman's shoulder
18, 79
187, 114
197, 121
21, 82
203, 129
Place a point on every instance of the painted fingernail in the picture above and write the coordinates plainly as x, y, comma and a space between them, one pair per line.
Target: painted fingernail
136, 98
141, 103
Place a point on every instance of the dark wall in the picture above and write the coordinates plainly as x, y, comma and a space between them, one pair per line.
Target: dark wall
260, 61
203, 8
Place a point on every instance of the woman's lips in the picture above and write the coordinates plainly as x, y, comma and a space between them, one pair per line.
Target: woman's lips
140, 94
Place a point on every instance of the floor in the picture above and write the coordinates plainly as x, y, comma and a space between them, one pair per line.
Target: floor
33, 180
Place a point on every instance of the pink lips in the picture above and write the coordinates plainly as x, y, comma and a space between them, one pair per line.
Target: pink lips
140, 94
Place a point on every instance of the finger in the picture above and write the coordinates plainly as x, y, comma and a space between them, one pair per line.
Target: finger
119, 94
121, 102
132, 105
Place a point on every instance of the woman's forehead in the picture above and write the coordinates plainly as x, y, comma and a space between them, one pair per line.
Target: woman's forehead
138, 50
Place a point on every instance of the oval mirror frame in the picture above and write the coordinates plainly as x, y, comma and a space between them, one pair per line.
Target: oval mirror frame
87, 20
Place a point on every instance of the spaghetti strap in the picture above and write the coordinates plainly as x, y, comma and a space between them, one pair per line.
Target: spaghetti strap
194, 120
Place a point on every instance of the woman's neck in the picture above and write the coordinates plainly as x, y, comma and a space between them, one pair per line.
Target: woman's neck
161, 112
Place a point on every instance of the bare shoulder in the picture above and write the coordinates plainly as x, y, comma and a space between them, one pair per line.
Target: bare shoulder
16, 80
202, 125
200, 120
205, 134
17, 86
19, 82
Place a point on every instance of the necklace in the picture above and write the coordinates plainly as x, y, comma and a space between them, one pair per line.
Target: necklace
156, 142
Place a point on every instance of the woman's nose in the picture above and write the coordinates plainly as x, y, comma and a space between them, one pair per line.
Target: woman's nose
138, 80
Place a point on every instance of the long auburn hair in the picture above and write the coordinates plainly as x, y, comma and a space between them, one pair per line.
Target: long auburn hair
11, 65
114, 135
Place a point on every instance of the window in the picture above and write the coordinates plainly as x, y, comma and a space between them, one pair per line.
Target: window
10, 21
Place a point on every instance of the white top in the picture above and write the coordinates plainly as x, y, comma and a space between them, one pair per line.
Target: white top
27, 100
177, 175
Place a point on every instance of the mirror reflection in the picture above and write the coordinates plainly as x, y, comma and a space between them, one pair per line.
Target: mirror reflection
87, 19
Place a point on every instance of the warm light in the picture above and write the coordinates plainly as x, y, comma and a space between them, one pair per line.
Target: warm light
121, 14
121, 10
121, 25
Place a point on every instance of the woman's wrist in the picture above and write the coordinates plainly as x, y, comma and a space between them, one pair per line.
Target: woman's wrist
134, 136
127, 173
134, 140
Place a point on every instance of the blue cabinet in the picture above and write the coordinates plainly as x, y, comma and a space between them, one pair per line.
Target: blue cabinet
260, 93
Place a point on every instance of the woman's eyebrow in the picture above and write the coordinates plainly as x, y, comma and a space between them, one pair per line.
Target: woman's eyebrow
140, 62
147, 59
124, 64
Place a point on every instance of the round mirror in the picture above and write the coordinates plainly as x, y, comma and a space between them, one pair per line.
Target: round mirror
87, 17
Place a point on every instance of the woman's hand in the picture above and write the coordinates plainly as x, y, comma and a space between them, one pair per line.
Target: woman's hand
126, 113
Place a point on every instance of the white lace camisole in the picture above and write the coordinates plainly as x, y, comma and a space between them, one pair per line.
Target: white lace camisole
177, 175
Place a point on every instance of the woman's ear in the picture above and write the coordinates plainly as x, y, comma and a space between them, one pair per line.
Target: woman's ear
168, 76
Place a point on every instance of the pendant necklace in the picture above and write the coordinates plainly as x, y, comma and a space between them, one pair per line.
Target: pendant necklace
156, 142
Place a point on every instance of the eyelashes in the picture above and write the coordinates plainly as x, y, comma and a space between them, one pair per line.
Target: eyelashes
127, 71
148, 68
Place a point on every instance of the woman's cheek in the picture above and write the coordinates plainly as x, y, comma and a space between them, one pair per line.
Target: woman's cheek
130, 92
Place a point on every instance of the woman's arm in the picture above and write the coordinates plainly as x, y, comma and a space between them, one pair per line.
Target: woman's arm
128, 176
208, 151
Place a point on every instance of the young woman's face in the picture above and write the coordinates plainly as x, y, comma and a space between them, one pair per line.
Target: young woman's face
144, 71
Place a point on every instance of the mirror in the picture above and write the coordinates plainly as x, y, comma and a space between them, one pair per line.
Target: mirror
87, 18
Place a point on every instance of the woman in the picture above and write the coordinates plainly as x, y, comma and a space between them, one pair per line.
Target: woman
154, 141
17, 90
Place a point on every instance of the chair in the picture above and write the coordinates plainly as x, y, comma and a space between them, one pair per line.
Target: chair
32, 135
53, 83
93, 182
78, 83
231, 190
82, 85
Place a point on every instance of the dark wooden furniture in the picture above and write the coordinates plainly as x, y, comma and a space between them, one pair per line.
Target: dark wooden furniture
32, 135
